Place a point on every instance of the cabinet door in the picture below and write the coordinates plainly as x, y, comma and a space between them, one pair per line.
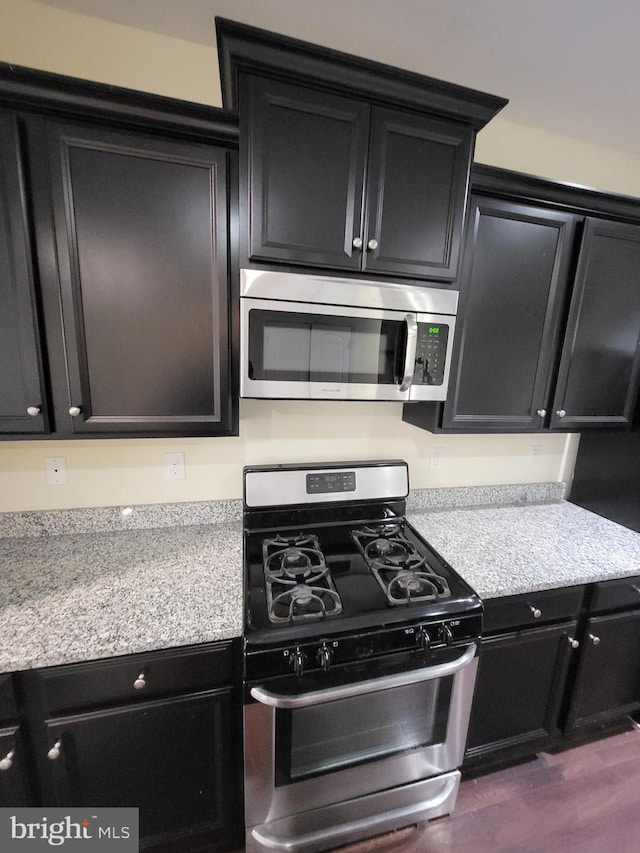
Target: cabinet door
608, 676
141, 251
600, 364
416, 192
14, 785
22, 387
519, 688
173, 759
305, 155
513, 284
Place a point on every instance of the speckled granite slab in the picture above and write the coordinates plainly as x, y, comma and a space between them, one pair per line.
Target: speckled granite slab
479, 496
68, 598
509, 550
97, 519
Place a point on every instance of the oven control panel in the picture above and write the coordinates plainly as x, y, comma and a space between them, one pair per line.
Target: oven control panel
325, 652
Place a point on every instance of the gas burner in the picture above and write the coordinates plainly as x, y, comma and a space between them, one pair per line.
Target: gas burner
301, 602
381, 529
406, 586
298, 582
390, 551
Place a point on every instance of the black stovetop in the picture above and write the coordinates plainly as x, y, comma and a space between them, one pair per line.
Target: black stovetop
363, 602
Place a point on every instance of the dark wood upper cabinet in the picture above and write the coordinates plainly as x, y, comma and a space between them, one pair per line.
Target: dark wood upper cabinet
306, 160
548, 329
348, 164
416, 192
311, 200
141, 248
23, 403
600, 366
118, 262
512, 293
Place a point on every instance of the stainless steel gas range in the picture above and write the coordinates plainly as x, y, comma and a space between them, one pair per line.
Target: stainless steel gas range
360, 659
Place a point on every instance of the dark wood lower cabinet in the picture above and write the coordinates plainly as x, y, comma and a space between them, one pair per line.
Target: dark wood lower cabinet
574, 677
171, 758
608, 676
14, 783
138, 731
519, 687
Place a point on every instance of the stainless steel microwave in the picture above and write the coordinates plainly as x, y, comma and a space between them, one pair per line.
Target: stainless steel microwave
309, 337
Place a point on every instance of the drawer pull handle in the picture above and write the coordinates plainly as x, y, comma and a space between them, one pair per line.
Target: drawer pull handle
637, 588
7, 761
573, 643
535, 612
595, 640
54, 752
139, 683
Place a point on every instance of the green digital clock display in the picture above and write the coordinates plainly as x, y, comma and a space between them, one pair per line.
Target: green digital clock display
434, 330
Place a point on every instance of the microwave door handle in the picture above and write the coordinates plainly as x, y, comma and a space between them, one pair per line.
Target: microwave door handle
373, 685
410, 352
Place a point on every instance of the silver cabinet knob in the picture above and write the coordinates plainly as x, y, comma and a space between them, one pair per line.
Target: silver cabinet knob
33, 411
54, 752
74, 411
595, 640
561, 413
541, 413
140, 682
357, 243
372, 245
573, 643
535, 612
7, 761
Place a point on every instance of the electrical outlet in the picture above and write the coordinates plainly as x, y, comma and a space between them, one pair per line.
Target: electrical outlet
56, 468
435, 462
174, 466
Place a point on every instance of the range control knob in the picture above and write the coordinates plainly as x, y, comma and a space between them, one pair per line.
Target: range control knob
447, 636
423, 640
297, 661
324, 656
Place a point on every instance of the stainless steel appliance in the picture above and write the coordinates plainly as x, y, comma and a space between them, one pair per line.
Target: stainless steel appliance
315, 338
360, 659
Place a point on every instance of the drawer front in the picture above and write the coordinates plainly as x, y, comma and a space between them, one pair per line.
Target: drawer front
618, 594
531, 609
136, 677
8, 711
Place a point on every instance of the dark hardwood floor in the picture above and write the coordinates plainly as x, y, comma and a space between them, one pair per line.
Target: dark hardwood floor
583, 800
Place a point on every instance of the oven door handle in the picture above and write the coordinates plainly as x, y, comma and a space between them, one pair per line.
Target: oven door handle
410, 352
318, 697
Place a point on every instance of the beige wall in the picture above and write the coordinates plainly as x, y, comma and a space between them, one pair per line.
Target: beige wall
107, 472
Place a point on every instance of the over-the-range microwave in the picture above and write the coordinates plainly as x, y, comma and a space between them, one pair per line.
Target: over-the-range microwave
311, 337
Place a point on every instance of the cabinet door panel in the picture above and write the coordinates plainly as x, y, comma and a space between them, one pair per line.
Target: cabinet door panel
306, 159
22, 383
519, 687
608, 678
416, 194
14, 784
170, 758
141, 235
512, 290
600, 364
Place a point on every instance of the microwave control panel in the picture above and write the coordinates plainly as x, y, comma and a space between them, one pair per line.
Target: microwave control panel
431, 350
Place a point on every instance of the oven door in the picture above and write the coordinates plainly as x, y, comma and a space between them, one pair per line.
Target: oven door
355, 736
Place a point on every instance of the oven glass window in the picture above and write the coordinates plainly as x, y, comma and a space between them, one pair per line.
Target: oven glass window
335, 735
292, 347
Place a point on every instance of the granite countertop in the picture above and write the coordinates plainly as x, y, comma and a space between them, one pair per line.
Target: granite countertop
514, 549
80, 585
73, 596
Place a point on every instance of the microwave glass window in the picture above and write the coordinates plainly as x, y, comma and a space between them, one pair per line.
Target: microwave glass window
322, 348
